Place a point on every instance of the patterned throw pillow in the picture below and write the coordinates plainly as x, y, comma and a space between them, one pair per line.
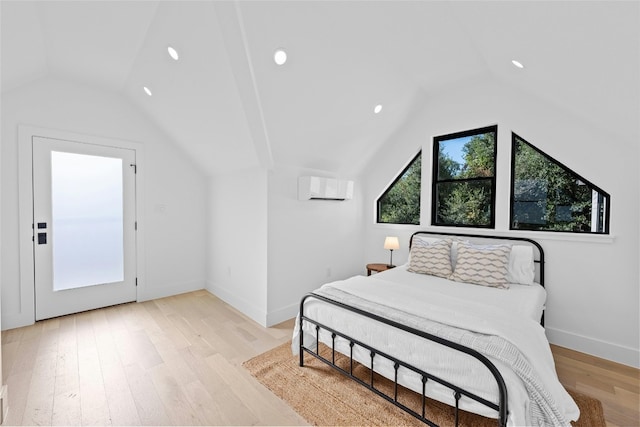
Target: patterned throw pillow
433, 259
482, 265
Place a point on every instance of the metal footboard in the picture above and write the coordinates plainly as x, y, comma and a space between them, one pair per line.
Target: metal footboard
458, 392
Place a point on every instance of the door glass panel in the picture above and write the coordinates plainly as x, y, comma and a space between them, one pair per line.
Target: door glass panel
87, 229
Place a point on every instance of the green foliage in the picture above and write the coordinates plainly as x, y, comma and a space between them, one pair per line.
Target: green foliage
467, 200
548, 196
464, 203
479, 156
401, 203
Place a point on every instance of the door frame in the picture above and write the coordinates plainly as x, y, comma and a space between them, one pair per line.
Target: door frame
27, 313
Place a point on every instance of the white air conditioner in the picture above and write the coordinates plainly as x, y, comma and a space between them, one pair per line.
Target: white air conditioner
320, 188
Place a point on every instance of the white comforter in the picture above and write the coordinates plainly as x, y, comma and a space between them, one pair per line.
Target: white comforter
465, 314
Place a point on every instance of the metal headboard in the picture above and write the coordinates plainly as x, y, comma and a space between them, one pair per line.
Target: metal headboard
538, 252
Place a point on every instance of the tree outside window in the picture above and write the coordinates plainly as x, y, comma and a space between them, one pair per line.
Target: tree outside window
400, 203
464, 178
548, 196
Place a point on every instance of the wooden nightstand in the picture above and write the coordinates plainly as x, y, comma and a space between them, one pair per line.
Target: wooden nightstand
378, 268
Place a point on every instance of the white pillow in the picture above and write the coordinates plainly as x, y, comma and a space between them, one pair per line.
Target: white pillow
422, 240
521, 269
454, 251
433, 259
521, 265
485, 265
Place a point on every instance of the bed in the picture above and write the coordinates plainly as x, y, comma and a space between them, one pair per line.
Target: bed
479, 346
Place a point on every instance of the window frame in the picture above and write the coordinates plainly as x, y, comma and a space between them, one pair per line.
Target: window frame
607, 196
435, 181
390, 187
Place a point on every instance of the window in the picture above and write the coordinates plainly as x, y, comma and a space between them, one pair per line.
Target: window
548, 196
464, 178
400, 203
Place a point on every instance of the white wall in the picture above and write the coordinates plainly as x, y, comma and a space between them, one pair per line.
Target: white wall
311, 242
174, 190
237, 258
592, 281
1, 240
267, 248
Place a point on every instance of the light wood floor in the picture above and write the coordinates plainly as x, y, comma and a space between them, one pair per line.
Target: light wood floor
173, 361
616, 386
177, 361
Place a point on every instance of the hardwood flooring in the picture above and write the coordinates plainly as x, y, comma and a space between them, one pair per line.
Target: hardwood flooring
616, 386
172, 361
178, 361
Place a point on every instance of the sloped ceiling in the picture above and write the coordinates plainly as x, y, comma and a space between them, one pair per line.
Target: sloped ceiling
230, 107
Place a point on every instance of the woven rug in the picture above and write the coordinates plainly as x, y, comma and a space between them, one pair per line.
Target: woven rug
323, 396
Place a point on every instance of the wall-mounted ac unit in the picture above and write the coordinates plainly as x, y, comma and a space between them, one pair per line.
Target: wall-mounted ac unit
320, 188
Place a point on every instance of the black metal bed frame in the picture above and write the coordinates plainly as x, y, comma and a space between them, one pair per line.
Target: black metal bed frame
458, 392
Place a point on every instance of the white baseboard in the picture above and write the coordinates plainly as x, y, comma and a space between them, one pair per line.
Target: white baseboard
12, 321
282, 314
603, 349
249, 309
154, 292
241, 304
18, 320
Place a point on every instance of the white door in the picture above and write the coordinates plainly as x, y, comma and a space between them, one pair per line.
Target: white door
84, 226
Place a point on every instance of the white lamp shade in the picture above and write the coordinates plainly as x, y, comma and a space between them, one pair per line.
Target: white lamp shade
391, 243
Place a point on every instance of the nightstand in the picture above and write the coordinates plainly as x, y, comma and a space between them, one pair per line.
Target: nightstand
378, 268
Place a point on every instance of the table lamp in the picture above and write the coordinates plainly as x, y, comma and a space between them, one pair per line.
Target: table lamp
391, 243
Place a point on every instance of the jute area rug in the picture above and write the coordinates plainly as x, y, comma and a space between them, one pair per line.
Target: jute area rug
323, 396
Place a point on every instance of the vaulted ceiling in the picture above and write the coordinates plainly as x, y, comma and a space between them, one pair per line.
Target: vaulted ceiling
229, 106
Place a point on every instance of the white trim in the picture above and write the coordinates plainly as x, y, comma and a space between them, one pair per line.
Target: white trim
18, 320
151, 293
282, 314
240, 304
26, 314
603, 349
565, 237
536, 235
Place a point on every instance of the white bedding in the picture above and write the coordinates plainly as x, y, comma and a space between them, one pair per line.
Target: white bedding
521, 299
401, 290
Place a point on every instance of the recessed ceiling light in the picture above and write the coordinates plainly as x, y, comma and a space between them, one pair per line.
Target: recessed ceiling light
517, 63
280, 56
377, 108
147, 90
173, 53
